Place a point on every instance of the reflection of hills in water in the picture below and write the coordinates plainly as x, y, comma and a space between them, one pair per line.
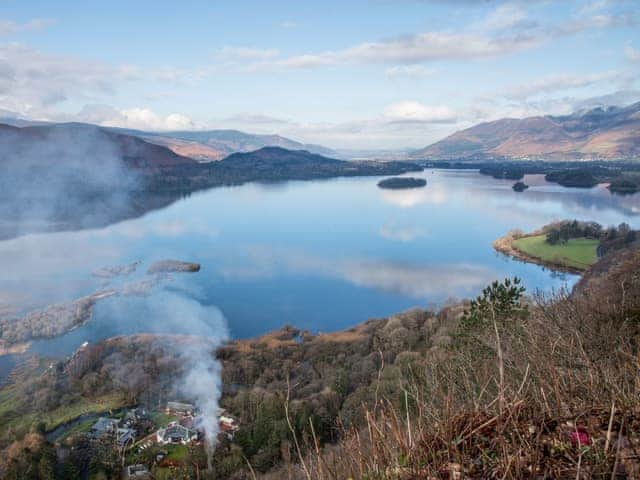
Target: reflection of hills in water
598, 198
92, 212
31, 216
478, 190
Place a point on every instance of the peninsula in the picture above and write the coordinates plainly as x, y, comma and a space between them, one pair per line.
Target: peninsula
567, 246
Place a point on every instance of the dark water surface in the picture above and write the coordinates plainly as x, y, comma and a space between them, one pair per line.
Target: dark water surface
320, 255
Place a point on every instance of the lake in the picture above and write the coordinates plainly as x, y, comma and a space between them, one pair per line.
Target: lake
319, 255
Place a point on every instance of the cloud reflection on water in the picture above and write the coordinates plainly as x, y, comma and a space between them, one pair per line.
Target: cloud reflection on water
411, 197
399, 233
419, 243
418, 281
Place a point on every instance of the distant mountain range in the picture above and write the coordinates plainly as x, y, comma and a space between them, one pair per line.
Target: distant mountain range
599, 133
88, 156
79, 146
201, 145
227, 142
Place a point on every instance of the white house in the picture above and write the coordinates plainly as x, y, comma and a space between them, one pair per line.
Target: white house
176, 433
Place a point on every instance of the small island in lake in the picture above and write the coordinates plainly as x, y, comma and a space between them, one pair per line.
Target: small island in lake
624, 186
520, 187
397, 183
568, 246
575, 178
170, 266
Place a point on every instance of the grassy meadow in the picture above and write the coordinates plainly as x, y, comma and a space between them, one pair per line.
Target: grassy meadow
577, 253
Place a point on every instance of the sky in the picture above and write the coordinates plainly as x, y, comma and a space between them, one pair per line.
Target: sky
356, 74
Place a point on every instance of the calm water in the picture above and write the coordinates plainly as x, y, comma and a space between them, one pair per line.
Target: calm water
320, 255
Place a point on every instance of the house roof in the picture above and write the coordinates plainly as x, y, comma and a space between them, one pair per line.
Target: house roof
180, 406
177, 431
105, 424
137, 470
125, 435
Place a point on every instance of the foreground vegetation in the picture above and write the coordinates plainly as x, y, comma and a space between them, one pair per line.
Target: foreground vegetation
540, 389
505, 386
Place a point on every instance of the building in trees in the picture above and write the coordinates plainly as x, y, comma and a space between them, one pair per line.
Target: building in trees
179, 408
176, 433
138, 472
104, 426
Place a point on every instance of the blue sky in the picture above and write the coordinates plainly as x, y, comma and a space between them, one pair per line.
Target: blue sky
364, 74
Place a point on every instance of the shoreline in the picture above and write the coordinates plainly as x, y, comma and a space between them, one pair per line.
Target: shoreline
505, 246
14, 348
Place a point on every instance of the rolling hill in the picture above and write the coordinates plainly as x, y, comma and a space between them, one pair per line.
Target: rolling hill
65, 176
231, 141
74, 148
599, 133
276, 163
200, 145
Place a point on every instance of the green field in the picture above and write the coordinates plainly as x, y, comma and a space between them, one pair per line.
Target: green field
161, 419
577, 253
177, 453
17, 421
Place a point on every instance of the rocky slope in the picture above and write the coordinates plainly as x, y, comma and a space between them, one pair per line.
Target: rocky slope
213, 145
606, 133
232, 141
201, 145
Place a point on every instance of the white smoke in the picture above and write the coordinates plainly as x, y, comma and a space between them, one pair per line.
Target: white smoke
206, 326
52, 176
203, 383
78, 175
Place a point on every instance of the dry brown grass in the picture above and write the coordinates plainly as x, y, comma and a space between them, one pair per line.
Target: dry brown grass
353, 335
555, 396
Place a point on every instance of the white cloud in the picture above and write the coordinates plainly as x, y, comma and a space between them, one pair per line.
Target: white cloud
36, 85
496, 106
136, 118
595, 22
505, 16
255, 119
619, 98
594, 6
31, 81
375, 133
7, 27
145, 119
414, 71
559, 82
246, 53
409, 49
505, 30
631, 53
177, 121
411, 111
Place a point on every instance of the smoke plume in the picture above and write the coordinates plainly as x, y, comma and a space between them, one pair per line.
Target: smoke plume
200, 378
61, 177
